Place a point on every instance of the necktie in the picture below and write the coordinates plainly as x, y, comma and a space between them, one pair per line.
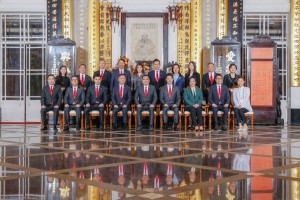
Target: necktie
121, 92
51, 90
82, 79
145, 169
156, 182
169, 172
121, 71
157, 76
219, 92
101, 74
74, 92
211, 79
146, 91
121, 173
170, 91
194, 93
97, 90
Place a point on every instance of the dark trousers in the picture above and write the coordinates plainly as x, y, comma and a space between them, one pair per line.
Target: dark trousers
240, 115
91, 108
145, 108
215, 114
124, 112
47, 109
196, 112
78, 114
165, 113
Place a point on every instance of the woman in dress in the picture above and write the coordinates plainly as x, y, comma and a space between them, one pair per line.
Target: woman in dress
241, 101
230, 80
136, 79
192, 73
64, 81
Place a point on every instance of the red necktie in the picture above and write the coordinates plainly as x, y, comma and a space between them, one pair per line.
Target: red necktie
121, 173
74, 92
170, 91
169, 172
97, 90
121, 71
219, 92
146, 91
51, 90
101, 74
82, 79
211, 79
145, 169
156, 184
121, 92
156, 76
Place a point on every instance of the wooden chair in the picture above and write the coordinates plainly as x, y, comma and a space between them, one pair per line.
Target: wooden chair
60, 117
120, 114
247, 114
187, 114
72, 113
96, 113
220, 114
145, 114
170, 114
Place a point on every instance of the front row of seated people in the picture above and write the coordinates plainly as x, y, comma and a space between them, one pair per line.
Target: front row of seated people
145, 99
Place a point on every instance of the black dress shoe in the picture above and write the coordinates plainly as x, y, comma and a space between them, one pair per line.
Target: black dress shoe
125, 128
44, 128
165, 128
88, 128
151, 128
192, 128
224, 128
66, 128
140, 128
77, 129
101, 128
175, 127
216, 129
113, 128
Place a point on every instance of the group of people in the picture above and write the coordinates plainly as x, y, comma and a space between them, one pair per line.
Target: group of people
145, 91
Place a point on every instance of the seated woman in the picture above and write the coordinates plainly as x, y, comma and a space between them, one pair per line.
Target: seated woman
178, 79
193, 98
63, 81
241, 101
230, 80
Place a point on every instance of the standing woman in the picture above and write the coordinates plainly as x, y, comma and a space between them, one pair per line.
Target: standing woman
64, 81
178, 79
230, 80
193, 99
241, 101
136, 79
192, 73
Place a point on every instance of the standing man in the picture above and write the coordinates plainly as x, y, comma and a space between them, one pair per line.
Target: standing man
96, 99
50, 100
208, 80
145, 100
84, 80
74, 99
117, 72
219, 99
104, 74
170, 100
157, 76
121, 100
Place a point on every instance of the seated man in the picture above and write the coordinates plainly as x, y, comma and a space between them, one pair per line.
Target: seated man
170, 100
145, 100
219, 99
74, 99
121, 99
50, 100
96, 99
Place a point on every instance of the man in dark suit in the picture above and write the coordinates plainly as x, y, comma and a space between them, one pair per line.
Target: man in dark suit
170, 100
208, 79
50, 100
117, 72
121, 99
96, 99
104, 74
84, 80
74, 99
219, 99
145, 100
157, 76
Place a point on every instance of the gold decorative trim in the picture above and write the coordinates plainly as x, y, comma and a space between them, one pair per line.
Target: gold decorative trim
67, 18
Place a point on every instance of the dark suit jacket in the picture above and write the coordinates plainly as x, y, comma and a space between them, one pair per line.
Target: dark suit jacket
196, 75
164, 96
162, 79
115, 96
214, 97
206, 82
106, 79
180, 83
55, 98
69, 97
91, 95
87, 81
140, 98
115, 76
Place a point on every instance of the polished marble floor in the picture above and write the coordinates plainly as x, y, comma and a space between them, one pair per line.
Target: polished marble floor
256, 164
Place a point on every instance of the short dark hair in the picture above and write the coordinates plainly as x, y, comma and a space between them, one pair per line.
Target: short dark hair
97, 75
231, 65
145, 76
192, 77
156, 60
83, 65
169, 74
218, 75
121, 59
50, 75
122, 75
210, 63
74, 76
